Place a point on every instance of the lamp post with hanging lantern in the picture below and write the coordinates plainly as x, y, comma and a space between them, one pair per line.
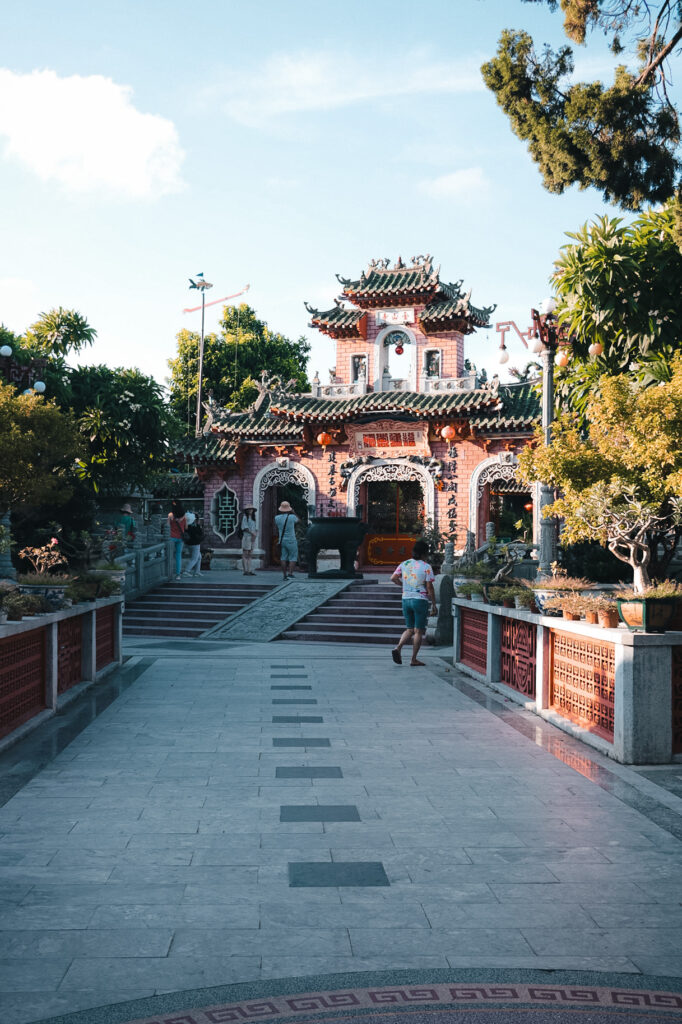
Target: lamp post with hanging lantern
547, 342
203, 287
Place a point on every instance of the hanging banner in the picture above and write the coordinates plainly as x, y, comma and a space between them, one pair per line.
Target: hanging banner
386, 438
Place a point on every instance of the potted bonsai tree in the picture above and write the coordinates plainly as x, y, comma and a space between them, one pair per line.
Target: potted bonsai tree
620, 476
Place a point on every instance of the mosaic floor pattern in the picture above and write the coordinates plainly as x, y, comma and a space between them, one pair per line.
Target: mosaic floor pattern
454, 1002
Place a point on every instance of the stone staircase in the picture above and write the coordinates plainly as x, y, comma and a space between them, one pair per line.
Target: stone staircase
185, 609
366, 612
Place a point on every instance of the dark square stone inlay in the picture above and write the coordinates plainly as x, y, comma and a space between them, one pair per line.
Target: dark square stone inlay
289, 675
301, 741
320, 873
283, 772
319, 812
294, 700
297, 719
299, 687
287, 666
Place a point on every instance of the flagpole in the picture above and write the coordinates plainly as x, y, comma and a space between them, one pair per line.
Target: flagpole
201, 363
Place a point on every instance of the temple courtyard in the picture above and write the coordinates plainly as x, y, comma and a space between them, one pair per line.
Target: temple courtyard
216, 814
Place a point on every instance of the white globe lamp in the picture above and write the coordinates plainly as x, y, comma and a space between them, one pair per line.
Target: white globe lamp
548, 305
5, 351
504, 356
39, 386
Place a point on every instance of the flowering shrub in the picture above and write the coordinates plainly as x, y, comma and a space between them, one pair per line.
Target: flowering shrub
44, 560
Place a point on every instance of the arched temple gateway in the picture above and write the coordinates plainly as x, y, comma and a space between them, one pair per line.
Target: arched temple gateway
400, 377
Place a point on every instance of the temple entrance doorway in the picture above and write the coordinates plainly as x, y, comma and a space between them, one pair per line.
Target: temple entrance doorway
510, 509
395, 513
274, 496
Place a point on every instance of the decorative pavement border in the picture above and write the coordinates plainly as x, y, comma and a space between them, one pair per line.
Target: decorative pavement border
500, 996
266, 618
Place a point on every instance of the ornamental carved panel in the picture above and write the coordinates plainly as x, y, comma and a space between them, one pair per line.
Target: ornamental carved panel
224, 512
677, 700
70, 653
518, 655
22, 678
278, 476
583, 681
385, 438
473, 639
500, 472
387, 471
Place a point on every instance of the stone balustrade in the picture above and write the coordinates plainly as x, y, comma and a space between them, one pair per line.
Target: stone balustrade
617, 691
46, 659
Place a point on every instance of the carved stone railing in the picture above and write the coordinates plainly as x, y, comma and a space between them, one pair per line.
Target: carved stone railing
44, 658
618, 691
442, 385
147, 567
358, 387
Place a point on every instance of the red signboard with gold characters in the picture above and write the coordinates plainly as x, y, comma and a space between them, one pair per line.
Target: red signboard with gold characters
388, 438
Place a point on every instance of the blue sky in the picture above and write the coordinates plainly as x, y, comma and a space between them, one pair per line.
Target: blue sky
268, 142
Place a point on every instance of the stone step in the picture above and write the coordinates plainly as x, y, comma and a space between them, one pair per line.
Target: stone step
306, 636
325, 616
313, 626
161, 632
202, 606
172, 615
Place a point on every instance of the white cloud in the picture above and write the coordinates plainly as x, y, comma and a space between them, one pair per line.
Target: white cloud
467, 183
85, 134
307, 81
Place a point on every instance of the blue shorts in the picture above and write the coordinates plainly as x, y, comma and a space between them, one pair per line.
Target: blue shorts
289, 551
415, 612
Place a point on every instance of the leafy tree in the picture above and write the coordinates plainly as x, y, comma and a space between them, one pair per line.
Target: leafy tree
38, 447
618, 288
125, 423
58, 332
622, 139
233, 359
621, 481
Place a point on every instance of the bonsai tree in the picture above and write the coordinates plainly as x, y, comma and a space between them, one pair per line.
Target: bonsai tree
619, 478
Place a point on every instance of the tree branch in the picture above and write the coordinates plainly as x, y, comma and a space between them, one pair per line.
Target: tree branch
659, 58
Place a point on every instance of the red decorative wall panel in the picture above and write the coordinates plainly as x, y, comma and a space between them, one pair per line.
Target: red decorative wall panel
473, 643
22, 678
104, 635
677, 700
70, 653
518, 643
583, 678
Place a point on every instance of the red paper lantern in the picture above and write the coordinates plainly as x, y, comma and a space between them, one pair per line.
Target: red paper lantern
324, 439
448, 433
528, 506
399, 350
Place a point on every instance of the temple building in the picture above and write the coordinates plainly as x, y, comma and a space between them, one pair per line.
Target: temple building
405, 433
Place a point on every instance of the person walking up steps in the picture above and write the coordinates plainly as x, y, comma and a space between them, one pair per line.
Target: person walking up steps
285, 523
415, 575
176, 525
193, 538
249, 529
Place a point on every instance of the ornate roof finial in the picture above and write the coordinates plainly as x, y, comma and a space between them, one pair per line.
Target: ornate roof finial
399, 265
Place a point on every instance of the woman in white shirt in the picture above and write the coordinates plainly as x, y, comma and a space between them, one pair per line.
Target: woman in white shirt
249, 530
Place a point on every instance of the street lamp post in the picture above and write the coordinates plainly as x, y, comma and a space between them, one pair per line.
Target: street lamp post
203, 287
545, 345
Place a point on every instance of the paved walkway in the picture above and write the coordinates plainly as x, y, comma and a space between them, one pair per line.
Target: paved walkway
179, 840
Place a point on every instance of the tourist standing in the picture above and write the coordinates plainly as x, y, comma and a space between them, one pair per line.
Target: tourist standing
285, 523
415, 575
176, 525
126, 524
193, 538
249, 530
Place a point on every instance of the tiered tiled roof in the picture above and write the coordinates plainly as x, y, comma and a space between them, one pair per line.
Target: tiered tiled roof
282, 418
305, 408
447, 307
339, 322
519, 410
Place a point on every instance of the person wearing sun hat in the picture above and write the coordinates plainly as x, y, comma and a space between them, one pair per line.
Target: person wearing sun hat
285, 524
126, 522
248, 529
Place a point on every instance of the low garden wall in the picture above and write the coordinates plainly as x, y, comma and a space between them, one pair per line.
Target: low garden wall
42, 659
618, 691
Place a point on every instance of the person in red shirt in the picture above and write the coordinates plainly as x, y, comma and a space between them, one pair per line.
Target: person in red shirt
176, 525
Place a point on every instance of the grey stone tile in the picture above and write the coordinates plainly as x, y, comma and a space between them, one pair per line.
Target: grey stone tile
319, 812
298, 967
184, 915
297, 719
608, 892
91, 942
592, 942
167, 974
107, 894
449, 942
521, 961
301, 741
294, 700
305, 874
293, 687
330, 772
42, 974
197, 942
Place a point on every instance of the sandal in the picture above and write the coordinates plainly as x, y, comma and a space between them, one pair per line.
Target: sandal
397, 656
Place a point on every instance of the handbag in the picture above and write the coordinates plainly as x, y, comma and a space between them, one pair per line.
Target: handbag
281, 532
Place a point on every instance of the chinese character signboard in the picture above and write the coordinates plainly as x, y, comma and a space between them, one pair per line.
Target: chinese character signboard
387, 438
396, 316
